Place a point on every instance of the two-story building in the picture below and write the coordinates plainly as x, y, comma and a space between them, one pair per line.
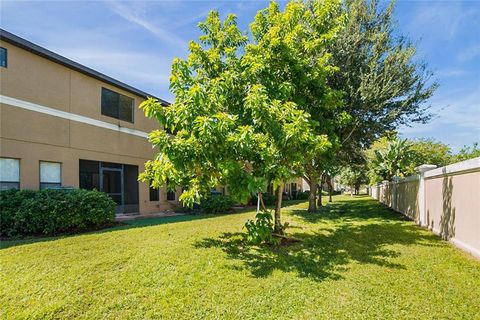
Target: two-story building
65, 125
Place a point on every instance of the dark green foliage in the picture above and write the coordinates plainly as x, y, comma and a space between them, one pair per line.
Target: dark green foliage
10, 202
268, 199
50, 212
217, 204
261, 230
467, 152
302, 195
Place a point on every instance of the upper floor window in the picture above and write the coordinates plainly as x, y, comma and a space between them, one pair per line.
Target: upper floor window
117, 105
50, 175
9, 173
3, 57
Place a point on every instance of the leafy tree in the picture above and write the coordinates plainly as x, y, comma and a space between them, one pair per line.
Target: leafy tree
235, 116
294, 43
353, 176
467, 153
394, 160
382, 84
416, 153
429, 151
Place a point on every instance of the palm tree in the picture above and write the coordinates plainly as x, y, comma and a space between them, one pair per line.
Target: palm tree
394, 160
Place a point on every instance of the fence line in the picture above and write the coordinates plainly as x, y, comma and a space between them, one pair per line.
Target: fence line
445, 200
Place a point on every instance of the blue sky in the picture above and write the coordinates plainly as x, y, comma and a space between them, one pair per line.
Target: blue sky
135, 42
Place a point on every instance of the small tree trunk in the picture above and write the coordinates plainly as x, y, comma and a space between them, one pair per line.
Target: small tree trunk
259, 198
278, 209
312, 201
351, 191
319, 203
330, 189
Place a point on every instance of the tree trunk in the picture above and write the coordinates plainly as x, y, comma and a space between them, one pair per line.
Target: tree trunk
319, 203
351, 191
259, 197
312, 201
330, 189
278, 208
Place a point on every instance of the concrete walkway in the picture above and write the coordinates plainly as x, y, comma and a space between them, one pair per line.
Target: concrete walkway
129, 217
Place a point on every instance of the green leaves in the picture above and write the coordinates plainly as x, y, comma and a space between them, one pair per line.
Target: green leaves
261, 229
383, 86
242, 114
393, 160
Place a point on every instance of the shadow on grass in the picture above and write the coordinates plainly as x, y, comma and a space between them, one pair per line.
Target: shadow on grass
140, 223
326, 253
358, 208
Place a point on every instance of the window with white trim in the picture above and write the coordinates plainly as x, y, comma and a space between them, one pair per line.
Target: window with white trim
50, 175
9, 173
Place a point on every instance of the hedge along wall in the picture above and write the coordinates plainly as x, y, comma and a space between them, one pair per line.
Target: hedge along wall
51, 212
449, 203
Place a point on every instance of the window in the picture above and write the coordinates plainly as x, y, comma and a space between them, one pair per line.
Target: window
117, 105
9, 173
294, 187
89, 174
50, 175
154, 194
3, 57
170, 195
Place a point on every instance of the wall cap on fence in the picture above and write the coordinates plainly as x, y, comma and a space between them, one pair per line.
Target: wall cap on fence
464, 166
425, 167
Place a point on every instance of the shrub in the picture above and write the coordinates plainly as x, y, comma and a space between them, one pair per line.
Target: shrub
50, 212
261, 230
10, 202
268, 199
217, 204
302, 195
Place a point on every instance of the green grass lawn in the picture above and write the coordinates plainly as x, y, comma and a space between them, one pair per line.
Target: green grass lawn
358, 260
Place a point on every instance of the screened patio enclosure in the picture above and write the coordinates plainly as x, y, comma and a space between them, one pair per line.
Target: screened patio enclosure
117, 180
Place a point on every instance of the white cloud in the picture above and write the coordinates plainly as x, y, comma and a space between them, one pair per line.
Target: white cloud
469, 53
451, 73
136, 14
457, 120
442, 19
133, 67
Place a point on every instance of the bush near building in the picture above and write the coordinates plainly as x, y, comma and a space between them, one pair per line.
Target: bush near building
217, 204
51, 212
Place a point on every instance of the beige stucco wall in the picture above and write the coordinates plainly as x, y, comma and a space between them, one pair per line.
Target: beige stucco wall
451, 202
407, 198
32, 136
453, 206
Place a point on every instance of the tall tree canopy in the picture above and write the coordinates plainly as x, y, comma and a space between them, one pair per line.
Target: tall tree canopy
383, 85
394, 160
236, 113
267, 108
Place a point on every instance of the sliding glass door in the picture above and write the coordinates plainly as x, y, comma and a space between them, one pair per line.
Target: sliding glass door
119, 181
111, 181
